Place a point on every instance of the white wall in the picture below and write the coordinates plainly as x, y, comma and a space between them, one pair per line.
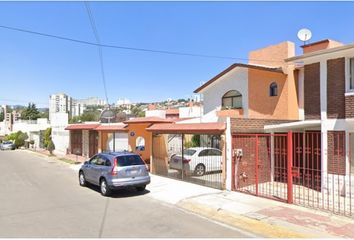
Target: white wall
60, 136
30, 126
236, 79
189, 112
155, 113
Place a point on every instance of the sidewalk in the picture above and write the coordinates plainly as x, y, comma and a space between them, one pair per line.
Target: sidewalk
261, 216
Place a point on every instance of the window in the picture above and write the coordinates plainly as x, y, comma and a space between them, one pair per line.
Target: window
204, 153
215, 152
232, 99
100, 161
351, 74
351, 152
129, 160
189, 152
140, 144
273, 89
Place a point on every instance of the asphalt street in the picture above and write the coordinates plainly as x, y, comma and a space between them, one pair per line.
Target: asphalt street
41, 197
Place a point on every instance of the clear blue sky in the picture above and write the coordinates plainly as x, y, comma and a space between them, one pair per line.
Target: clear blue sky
33, 67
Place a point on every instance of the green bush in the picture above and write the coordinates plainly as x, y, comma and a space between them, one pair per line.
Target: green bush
47, 137
50, 146
18, 138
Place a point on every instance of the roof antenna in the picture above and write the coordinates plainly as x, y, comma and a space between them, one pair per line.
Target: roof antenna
304, 35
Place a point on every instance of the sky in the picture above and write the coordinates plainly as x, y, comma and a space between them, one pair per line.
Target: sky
33, 67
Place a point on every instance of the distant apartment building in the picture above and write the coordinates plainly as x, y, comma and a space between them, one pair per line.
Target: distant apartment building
123, 101
62, 103
59, 103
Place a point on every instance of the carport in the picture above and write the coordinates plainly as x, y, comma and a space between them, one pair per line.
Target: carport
183, 150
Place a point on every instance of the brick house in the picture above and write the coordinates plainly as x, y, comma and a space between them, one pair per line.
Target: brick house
325, 73
249, 96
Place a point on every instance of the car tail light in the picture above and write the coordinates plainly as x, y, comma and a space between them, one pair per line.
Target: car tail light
114, 171
186, 160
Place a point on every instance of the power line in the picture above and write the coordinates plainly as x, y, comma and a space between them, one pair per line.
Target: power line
22, 101
95, 32
132, 48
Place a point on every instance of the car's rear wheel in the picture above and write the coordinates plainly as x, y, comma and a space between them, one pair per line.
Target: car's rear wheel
82, 179
199, 170
105, 190
141, 188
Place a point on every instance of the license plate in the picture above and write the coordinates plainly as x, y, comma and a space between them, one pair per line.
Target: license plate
133, 172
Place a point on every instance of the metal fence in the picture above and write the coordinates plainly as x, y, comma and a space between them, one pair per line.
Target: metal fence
290, 167
196, 158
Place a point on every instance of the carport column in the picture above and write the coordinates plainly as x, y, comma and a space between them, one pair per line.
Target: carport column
228, 144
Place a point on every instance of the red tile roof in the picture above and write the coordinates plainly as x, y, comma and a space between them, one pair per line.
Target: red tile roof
271, 69
82, 126
117, 128
201, 128
148, 120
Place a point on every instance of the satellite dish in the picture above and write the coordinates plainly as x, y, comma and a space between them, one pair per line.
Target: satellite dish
304, 35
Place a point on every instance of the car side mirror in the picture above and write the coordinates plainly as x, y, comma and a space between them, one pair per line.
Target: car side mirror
86, 162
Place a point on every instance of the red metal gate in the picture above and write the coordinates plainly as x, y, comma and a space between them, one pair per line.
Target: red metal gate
262, 165
290, 167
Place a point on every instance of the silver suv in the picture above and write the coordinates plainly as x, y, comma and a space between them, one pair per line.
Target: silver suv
115, 170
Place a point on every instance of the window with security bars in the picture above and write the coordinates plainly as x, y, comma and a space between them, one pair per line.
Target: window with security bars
351, 74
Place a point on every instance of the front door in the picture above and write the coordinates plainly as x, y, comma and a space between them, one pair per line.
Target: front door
93, 143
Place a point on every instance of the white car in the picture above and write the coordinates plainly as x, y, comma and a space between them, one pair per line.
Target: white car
198, 160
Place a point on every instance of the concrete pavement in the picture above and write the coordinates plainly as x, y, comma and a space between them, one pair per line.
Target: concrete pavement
40, 197
261, 216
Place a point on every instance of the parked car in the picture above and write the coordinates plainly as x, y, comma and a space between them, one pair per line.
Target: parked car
198, 160
8, 145
115, 170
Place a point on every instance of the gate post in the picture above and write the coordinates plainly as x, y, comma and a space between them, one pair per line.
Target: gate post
290, 165
257, 165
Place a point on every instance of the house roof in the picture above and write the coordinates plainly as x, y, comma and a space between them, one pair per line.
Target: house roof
82, 126
148, 120
211, 128
320, 52
233, 66
112, 127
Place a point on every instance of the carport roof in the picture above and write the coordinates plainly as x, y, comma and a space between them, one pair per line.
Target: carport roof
148, 120
82, 126
192, 128
112, 127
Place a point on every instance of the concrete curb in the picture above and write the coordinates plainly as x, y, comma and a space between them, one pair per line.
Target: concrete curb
242, 222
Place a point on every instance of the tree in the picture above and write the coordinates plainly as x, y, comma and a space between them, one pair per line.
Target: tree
18, 138
50, 146
47, 136
44, 114
196, 141
30, 113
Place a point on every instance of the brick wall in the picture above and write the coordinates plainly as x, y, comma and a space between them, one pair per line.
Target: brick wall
336, 152
336, 88
241, 125
349, 106
312, 104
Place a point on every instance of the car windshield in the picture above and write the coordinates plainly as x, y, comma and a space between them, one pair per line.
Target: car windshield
129, 160
7, 142
189, 152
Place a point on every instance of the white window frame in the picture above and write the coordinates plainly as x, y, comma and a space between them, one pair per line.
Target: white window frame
349, 88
